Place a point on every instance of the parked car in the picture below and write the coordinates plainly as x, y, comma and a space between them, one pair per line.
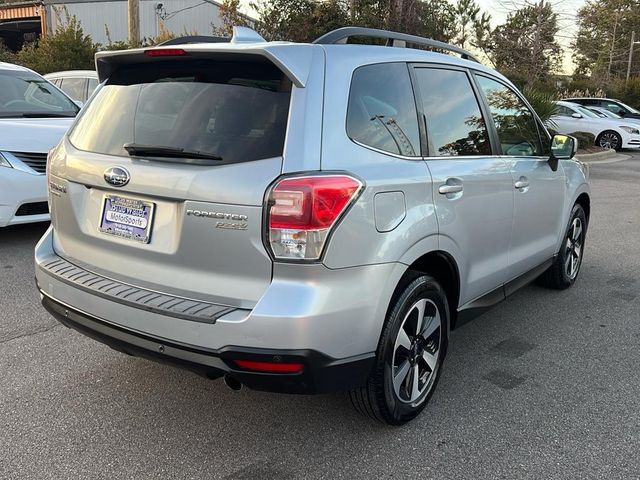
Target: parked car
287, 216
609, 132
615, 106
77, 84
604, 113
34, 115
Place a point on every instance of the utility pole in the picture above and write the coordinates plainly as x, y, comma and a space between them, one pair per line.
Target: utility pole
134, 22
613, 42
633, 42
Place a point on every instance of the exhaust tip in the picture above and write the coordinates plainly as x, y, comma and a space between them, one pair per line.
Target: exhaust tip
232, 383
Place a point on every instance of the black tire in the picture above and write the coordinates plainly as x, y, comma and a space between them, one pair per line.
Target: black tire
607, 139
378, 399
557, 276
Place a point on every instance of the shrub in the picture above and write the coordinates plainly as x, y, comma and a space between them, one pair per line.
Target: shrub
68, 48
543, 103
586, 140
6, 55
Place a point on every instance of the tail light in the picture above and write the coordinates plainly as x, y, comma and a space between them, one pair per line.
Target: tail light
303, 210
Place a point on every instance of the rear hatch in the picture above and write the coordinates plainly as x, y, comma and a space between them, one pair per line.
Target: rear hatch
165, 175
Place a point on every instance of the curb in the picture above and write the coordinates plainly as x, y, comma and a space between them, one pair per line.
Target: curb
608, 156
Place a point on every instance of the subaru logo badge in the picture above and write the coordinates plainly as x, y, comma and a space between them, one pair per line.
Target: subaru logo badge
116, 176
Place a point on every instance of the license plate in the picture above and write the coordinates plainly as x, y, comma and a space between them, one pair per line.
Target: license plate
127, 218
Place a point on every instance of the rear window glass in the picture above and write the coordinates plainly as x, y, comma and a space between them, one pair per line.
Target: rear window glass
233, 110
382, 110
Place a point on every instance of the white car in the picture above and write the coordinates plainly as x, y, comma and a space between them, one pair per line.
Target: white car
604, 113
34, 115
77, 84
609, 132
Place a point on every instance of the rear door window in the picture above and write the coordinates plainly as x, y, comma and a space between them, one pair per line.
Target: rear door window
382, 111
92, 85
74, 87
236, 110
455, 125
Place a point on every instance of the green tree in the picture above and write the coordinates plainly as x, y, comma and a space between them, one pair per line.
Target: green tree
525, 45
437, 20
299, 20
231, 17
465, 16
604, 34
68, 48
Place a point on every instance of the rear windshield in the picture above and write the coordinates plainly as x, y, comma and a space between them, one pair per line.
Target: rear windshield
233, 110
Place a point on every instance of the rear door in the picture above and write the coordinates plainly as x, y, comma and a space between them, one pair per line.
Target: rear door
472, 187
166, 171
539, 191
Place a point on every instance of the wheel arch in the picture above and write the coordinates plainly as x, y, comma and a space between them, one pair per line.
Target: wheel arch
585, 202
442, 266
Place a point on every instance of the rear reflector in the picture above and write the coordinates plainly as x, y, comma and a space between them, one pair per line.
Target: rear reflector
303, 210
270, 367
165, 52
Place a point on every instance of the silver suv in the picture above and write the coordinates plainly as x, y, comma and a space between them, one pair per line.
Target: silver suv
305, 218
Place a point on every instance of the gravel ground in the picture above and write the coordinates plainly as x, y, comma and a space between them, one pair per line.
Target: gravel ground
546, 385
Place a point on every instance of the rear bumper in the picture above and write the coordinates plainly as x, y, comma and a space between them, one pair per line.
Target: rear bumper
321, 374
328, 320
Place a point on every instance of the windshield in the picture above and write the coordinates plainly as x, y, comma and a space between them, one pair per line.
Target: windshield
25, 94
631, 109
234, 111
607, 113
587, 113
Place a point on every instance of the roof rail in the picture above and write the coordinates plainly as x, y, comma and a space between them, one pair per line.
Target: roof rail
194, 39
342, 35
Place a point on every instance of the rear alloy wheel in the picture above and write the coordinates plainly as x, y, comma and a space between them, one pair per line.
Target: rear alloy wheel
610, 139
409, 359
566, 266
415, 354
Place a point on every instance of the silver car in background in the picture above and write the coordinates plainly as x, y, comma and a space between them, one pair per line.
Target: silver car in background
305, 218
77, 84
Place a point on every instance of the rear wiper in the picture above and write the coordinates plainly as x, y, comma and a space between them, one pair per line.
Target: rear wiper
135, 149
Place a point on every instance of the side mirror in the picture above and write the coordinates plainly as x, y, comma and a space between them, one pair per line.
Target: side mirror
576, 115
79, 103
563, 147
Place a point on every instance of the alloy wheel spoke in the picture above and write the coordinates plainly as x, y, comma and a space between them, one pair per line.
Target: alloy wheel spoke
415, 383
403, 339
569, 244
420, 306
430, 359
577, 250
577, 230
400, 376
431, 326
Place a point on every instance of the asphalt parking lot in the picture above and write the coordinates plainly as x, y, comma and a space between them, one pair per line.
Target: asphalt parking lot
547, 385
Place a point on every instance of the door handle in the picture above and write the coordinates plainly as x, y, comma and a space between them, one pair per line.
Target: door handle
446, 189
522, 183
